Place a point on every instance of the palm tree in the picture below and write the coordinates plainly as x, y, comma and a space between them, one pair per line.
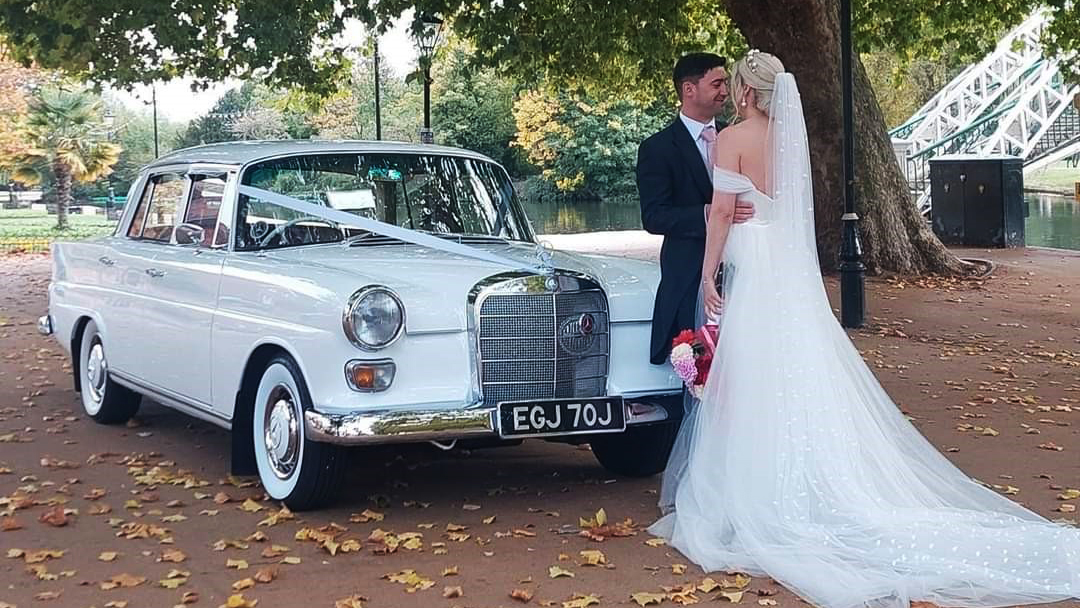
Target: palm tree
66, 143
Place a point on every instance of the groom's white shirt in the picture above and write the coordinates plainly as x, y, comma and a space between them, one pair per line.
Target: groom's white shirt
695, 128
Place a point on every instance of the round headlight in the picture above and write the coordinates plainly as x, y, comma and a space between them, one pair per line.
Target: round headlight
374, 318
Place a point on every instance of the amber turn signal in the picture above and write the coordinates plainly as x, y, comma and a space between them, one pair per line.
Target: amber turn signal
370, 376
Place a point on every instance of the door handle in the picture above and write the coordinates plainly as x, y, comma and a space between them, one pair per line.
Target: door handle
106, 260
154, 272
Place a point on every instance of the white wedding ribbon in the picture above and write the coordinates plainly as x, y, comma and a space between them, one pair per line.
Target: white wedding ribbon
390, 230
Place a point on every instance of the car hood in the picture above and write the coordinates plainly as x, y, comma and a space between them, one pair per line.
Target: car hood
435, 285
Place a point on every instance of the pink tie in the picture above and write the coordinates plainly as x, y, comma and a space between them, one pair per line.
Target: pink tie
709, 135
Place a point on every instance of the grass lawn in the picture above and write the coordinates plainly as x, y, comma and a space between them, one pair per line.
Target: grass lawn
1056, 178
25, 230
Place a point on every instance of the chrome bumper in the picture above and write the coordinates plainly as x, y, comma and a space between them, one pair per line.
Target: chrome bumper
408, 426
44, 325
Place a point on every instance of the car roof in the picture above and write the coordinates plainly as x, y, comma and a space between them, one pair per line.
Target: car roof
245, 152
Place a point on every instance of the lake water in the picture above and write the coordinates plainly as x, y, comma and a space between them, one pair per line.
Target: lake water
1053, 221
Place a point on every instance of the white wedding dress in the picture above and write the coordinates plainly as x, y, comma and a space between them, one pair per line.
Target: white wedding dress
797, 465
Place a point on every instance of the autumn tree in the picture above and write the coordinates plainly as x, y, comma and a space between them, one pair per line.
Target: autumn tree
621, 48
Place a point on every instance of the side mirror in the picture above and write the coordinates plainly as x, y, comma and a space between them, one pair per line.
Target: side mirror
189, 234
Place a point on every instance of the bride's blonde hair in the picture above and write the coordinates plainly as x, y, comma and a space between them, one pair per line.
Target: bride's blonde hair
758, 71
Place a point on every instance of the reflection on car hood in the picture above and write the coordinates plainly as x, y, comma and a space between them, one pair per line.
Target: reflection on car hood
435, 285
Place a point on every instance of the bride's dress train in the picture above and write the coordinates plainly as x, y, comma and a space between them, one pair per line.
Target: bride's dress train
797, 465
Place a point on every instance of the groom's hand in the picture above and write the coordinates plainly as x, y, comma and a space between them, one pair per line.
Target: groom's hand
743, 211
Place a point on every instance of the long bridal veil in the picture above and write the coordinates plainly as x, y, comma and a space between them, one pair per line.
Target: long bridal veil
797, 465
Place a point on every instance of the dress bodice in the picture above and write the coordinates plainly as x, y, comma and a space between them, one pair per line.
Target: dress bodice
744, 190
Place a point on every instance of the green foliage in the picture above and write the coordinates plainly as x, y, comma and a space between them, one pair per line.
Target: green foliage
26, 224
214, 126
902, 87
472, 108
583, 146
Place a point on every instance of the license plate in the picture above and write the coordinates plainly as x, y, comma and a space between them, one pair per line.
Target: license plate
561, 417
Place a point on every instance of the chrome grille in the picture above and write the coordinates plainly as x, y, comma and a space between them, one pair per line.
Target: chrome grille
533, 345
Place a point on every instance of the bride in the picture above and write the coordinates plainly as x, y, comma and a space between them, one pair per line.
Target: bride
796, 464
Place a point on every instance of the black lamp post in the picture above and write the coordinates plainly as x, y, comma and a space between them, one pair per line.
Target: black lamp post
852, 270
427, 38
110, 120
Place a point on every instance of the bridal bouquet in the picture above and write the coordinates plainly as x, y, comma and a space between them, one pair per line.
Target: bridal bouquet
691, 356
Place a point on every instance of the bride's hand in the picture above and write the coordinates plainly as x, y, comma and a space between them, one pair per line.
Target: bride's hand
714, 303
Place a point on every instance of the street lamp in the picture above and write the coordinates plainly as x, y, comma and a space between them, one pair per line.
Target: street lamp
110, 120
852, 269
427, 34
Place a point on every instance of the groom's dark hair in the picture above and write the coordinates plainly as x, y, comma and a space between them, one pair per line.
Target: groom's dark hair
693, 66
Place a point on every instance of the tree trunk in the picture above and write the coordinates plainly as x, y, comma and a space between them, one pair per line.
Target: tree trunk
63, 193
805, 35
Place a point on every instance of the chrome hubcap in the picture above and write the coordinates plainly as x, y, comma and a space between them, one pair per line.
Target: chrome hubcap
97, 372
281, 428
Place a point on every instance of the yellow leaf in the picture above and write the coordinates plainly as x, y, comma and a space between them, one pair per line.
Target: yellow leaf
251, 506
766, 602
581, 601
353, 601
645, 598
1069, 494
556, 572
451, 571
656, 542
239, 564
593, 557
244, 583
238, 601
113, 604
678, 568
708, 585
292, 559
122, 580
107, 556
601, 519
172, 583
274, 551
732, 596
366, 516
489, 520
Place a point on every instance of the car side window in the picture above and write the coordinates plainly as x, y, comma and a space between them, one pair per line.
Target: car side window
161, 198
204, 206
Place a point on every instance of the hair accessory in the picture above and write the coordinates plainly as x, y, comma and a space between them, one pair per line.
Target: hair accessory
751, 60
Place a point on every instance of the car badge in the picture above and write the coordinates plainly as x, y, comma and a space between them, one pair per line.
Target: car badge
586, 324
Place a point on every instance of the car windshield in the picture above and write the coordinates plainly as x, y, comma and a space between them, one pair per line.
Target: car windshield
443, 195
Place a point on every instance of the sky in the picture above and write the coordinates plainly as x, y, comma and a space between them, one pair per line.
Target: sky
176, 101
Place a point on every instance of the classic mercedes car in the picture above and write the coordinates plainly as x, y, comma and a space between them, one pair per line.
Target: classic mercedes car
313, 295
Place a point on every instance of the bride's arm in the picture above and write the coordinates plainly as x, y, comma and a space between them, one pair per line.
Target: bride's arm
721, 215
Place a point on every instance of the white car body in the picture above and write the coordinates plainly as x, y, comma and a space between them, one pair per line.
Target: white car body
183, 323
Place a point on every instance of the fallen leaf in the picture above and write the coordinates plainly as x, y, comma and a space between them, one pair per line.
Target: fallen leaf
173, 555
644, 598
595, 521
122, 580
489, 520
266, 575
732, 596
292, 559
1067, 508
251, 506
274, 551
244, 583
766, 602
451, 571
581, 601
593, 557
238, 601
353, 601
678, 568
239, 564
172, 583
55, 517
47, 595
556, 572
452, 592
469, 507
521, 595
10, 523
708, 585
656, 542
189, 597
221, 498
365, 517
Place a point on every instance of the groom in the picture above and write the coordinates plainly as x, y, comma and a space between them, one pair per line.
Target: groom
674, 179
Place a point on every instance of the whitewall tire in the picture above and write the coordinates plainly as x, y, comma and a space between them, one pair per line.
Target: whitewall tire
102, 399
304, 474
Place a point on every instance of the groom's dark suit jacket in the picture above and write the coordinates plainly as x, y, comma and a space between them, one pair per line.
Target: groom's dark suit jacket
674, 185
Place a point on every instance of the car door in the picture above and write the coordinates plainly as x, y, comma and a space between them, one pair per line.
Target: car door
183, 290
131, 260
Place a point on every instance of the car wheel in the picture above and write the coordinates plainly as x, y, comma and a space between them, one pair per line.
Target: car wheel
639, 452
304, 474
102, 399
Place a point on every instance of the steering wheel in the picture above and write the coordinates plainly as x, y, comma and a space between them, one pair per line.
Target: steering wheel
280, 230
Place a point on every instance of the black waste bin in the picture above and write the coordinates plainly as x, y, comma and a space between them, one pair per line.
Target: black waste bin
978, 201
